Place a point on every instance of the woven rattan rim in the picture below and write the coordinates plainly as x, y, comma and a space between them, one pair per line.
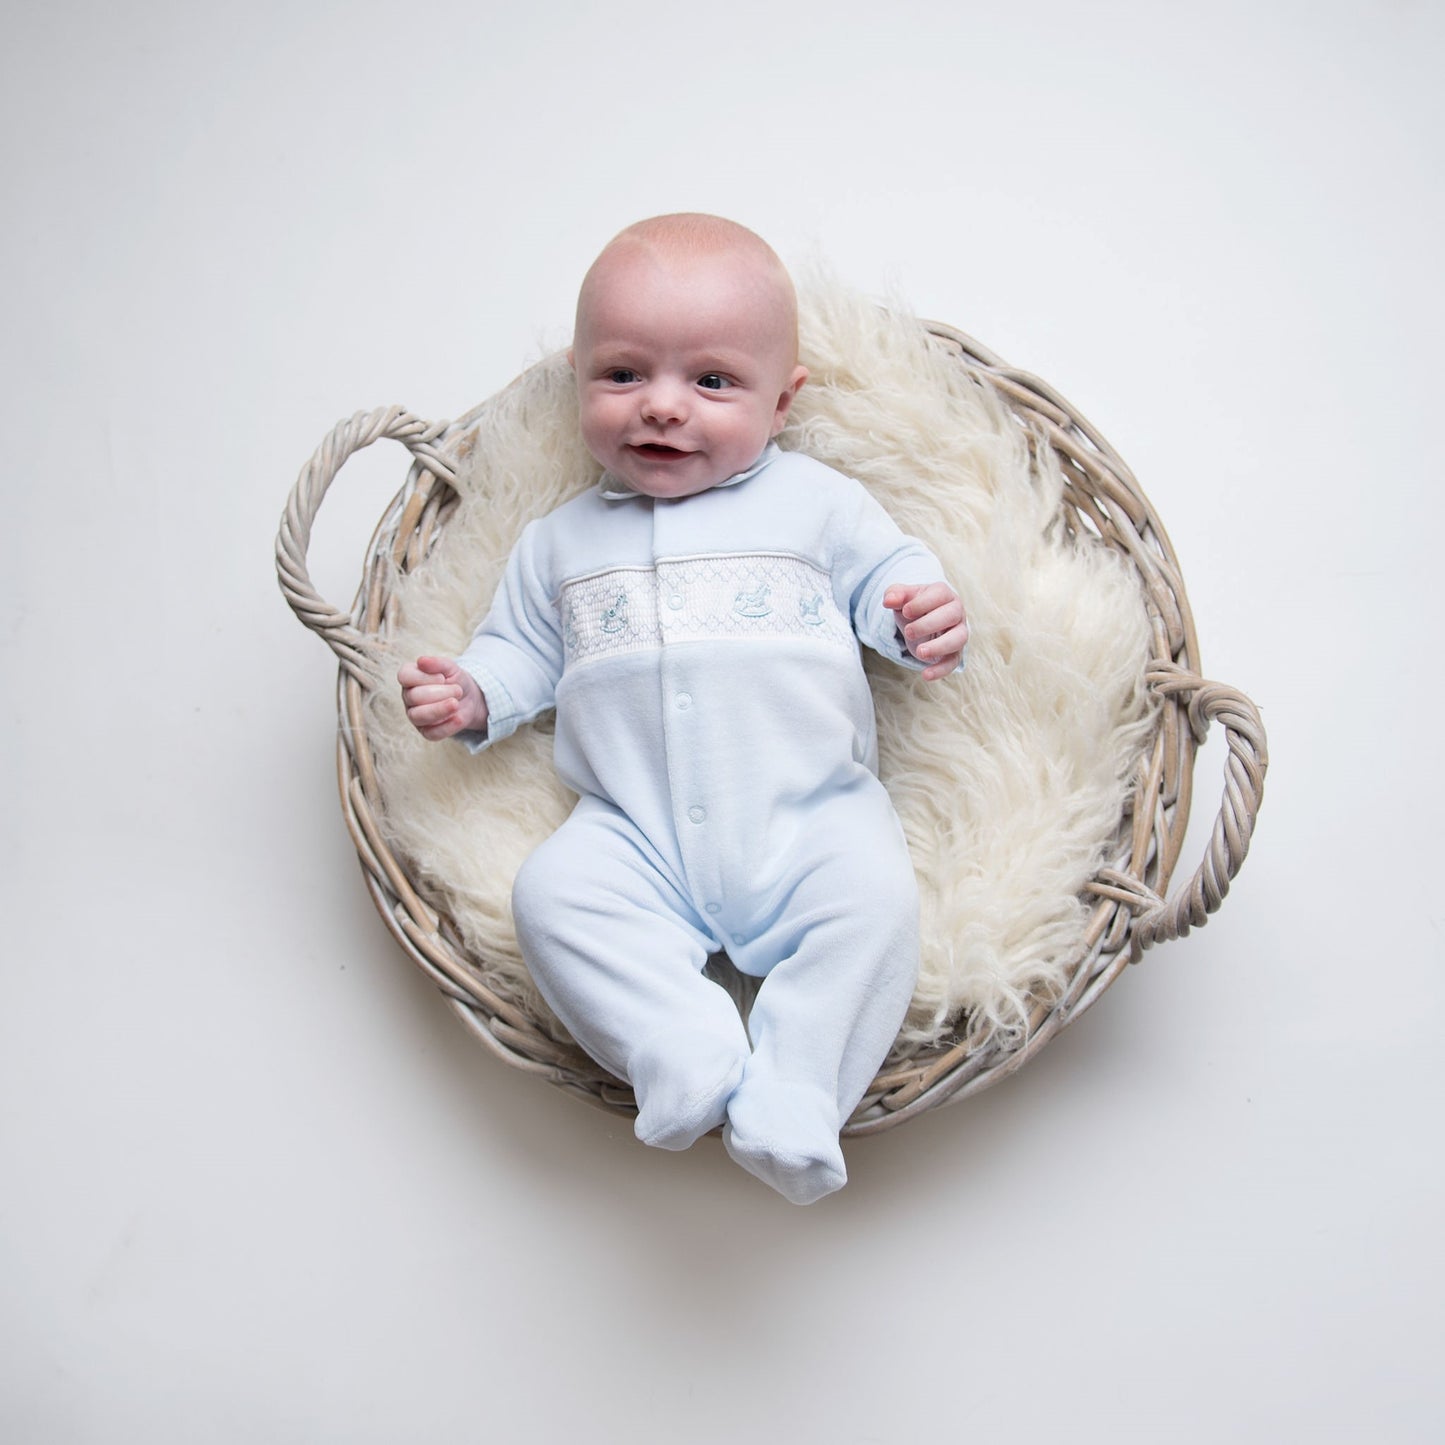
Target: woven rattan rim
1129, 912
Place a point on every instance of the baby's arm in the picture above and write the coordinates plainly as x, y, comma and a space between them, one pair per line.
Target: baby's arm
442, 698
932, 622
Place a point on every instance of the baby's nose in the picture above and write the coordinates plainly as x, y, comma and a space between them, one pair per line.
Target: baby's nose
664, 403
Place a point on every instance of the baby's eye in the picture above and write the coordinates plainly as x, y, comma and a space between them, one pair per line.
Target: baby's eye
621, 376
712, 381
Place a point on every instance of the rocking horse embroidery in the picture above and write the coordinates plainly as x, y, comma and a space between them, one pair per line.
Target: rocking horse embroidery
754, 603
614, 618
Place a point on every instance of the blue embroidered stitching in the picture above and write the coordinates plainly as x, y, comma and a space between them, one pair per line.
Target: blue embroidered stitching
754, 603
614, 618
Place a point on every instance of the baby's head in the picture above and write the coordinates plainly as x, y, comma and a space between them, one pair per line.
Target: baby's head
686, 353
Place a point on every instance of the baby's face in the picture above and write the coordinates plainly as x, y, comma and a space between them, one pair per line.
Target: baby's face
685, 365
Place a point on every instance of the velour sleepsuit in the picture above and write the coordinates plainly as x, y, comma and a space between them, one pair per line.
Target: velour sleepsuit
712, 712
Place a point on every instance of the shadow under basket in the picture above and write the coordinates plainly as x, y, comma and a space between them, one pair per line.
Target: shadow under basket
1128, 908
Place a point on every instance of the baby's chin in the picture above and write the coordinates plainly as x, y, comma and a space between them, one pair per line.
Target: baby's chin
667, 472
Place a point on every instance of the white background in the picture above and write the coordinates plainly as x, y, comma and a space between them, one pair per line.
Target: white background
259, 1184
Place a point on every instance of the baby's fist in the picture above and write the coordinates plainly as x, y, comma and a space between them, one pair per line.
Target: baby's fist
441, 698
932, 622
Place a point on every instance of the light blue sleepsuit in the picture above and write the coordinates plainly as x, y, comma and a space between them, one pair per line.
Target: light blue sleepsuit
713, 714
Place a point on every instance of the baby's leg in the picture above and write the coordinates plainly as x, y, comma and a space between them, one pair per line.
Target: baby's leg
618, 953
828, 1010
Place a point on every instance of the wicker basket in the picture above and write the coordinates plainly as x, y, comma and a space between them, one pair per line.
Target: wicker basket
1128, 910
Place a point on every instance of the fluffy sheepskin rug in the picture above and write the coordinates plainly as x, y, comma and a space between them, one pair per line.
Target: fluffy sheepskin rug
1010, 780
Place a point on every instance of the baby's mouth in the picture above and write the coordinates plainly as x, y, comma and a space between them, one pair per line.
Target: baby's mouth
657, 452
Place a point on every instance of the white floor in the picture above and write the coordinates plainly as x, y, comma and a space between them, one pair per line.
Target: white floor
258, 1182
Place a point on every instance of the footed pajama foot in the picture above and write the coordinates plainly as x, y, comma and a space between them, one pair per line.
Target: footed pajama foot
683, 1090
787, 1136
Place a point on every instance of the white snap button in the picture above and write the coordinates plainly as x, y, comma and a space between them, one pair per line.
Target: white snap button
714, 908
684, 700
697, 814
675, 601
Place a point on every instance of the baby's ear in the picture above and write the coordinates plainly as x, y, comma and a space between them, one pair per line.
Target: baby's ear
572, 357
785, 397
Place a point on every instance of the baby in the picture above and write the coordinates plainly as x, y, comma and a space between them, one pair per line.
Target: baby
694, 620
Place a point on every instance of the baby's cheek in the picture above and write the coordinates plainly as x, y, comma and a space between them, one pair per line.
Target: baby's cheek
600, 414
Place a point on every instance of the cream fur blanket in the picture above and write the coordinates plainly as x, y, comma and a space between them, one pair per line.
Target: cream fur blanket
1011, 780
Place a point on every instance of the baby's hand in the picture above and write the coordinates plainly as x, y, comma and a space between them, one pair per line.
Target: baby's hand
441, 698
932, 623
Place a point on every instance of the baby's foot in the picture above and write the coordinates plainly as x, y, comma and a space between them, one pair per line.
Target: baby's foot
682, 1091
787, 1136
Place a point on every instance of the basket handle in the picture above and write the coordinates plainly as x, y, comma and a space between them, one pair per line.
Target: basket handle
336, 628
1244, 772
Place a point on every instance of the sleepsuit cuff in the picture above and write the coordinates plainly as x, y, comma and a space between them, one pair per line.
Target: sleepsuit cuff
503, 718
